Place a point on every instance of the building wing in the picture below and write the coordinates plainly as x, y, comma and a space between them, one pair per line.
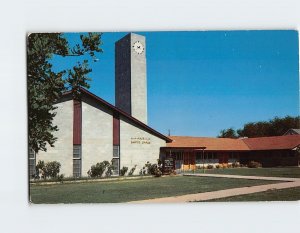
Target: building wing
286, 142
211, 144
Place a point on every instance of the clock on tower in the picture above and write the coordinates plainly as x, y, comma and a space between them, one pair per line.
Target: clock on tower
138, 47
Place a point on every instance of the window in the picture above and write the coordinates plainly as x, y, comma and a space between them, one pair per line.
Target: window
209, 155
199, 156
116, 151
32, 170
76, 160
115, 164
116, 160
178, 156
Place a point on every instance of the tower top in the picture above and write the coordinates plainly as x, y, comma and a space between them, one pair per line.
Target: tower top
130, 75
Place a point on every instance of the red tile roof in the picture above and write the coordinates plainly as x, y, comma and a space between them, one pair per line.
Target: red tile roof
213, 144
273, 143
228, 144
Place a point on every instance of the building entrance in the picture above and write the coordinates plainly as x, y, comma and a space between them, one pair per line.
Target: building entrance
189, 160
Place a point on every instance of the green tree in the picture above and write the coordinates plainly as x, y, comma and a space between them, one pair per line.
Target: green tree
45, 86
227, 133
256, 129
274, 127
281, 125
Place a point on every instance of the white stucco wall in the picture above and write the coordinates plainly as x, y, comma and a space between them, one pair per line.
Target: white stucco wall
97, 136
97, 140
134, 153
62, 151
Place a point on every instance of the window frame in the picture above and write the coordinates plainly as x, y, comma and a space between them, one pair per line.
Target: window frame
118, 151
32, 167
78, 158
116, 172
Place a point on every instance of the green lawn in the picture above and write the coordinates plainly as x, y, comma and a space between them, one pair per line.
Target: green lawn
131, 190
290, 194
277, 172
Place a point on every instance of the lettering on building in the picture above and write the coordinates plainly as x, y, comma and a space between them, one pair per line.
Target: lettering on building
140, 140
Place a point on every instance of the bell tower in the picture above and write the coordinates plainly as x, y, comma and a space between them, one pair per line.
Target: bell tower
130, 76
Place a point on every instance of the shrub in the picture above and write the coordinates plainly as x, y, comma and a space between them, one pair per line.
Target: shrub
109, 170
98, 169
52, 169
47, 170
173, 172
123, 171
154, 169
210, 166
254, 164
235, 164
60, 177
219, 166
143, 171
148, 167
132, 170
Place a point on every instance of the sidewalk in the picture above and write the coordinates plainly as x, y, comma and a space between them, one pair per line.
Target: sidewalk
247, 177
292, 182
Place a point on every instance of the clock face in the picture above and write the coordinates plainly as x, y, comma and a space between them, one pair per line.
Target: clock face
138, 47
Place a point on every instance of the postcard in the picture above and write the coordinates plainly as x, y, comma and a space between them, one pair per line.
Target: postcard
163, 117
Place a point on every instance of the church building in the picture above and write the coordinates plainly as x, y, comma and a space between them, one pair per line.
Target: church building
92, 130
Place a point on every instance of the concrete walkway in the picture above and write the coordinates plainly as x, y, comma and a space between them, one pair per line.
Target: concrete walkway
289, 183
247, 177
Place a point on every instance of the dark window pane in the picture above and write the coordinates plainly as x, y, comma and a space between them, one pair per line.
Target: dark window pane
76, 167
116, 151
115, 164
77, 151
31, 167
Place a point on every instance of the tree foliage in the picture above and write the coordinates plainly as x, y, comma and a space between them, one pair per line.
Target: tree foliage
46, 86
274, 127
228, 133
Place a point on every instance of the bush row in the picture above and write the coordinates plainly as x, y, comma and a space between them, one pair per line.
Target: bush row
251, 164
107, 169
50, 170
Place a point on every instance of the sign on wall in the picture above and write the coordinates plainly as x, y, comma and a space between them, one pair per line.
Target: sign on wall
140, 140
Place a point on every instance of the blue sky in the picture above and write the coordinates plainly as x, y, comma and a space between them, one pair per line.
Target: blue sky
202, 82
